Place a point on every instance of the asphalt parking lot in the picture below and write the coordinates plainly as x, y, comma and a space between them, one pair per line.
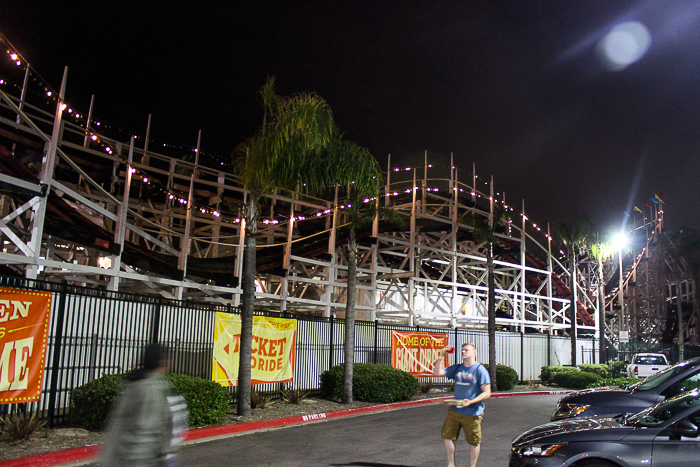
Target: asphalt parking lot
401, 438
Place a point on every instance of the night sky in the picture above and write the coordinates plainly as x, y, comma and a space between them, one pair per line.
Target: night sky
518, 87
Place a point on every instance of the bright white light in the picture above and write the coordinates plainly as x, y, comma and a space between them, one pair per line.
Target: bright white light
104, 262
619, 241
625, 44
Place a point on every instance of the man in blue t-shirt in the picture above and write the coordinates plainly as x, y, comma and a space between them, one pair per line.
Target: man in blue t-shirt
473, 386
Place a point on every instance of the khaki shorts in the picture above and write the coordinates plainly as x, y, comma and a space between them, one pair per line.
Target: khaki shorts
470, 423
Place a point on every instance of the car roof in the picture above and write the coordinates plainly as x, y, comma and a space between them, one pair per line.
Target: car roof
649, 353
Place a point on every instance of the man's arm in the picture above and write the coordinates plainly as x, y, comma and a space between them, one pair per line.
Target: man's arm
485, 394
438, 370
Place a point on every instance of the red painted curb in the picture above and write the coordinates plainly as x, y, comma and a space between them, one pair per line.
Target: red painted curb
54, 458
89, 452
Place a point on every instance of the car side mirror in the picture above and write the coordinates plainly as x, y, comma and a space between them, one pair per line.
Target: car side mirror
674, 390
686, 429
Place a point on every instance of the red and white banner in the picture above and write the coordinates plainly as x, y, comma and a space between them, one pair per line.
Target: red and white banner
417, 352
24, 326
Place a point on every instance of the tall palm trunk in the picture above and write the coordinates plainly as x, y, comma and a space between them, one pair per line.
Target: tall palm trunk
350, 319
491, 316
681, 334
572, 307
248, 302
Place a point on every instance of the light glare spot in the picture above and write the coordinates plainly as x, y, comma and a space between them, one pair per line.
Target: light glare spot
625, 44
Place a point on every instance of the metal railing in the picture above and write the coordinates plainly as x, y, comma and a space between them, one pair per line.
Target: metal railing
95, 332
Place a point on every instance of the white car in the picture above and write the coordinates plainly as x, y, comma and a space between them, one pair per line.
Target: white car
646, 364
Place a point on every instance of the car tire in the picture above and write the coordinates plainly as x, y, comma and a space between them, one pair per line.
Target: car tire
595, 463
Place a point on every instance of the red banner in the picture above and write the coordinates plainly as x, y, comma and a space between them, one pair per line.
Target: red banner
24, 325
417, 352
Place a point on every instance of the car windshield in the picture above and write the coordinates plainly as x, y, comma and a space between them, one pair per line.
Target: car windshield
661, 377
649, 360
659, 413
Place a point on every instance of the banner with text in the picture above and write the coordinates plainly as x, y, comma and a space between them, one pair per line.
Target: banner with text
273, 353
24, 326
417, 352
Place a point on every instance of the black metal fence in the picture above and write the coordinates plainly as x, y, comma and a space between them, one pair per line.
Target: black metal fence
95, 332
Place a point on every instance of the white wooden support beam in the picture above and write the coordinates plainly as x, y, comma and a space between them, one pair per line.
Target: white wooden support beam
45, 178
185, 245
120, 224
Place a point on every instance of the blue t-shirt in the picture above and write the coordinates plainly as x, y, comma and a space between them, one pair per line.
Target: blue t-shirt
468, 382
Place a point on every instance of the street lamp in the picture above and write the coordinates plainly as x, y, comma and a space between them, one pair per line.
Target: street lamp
619, 242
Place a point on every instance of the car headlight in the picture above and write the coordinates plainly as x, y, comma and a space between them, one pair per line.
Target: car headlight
568, 411
536, 450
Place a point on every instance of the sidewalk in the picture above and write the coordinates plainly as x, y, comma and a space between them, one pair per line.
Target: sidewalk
200, 435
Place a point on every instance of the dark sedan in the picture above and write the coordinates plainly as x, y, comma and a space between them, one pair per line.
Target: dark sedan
610, 401
665, 435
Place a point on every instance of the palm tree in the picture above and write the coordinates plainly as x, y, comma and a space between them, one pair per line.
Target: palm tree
361, 172
574, 236
484, 231
601, 251
288, 149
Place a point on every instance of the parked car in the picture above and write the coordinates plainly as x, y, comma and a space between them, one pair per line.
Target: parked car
630, 399
664, 435
646, 364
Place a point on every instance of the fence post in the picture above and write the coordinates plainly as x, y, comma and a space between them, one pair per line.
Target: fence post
330, 346
456, 334
549, 348
522, 356
155, 330
593, 351
57, 347
376, 325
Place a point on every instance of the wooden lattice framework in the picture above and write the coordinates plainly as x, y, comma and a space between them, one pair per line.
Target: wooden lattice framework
135, 220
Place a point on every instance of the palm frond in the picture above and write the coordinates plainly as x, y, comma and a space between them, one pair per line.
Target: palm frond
602, 251
576, 233
478, 223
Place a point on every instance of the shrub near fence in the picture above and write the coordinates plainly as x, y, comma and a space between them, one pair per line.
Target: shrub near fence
574, 379
601, 370
92, 403
548, 372
506, 377
370, 383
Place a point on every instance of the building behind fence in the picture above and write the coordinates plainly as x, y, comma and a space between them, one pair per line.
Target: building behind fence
96, 332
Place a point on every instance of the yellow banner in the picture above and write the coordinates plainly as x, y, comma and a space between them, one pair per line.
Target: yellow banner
273, 353
24, 325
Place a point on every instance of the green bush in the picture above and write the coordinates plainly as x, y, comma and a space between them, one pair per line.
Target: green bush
207, 401
574, 379
506, 377
371, 382
600, 369
91, 403
617, 369
548, 372
617, 382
